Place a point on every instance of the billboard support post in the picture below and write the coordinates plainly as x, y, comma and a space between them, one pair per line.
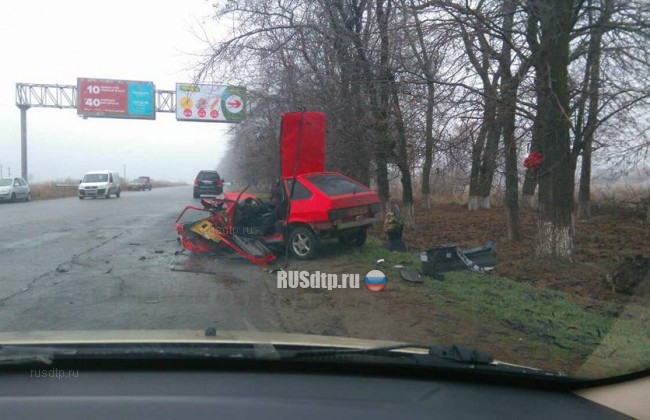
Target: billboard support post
23, 141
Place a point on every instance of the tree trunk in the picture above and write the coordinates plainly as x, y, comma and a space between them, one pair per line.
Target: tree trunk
477, 152
647, 216
511, 200
402, 159
384, 152
528, 190
530, 179
555, 221
584, 189
507, 118
483, 166
479, 192
425, 63
593, 61
428, 146
383, 188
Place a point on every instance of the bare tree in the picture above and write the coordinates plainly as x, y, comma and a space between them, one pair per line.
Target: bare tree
550, 26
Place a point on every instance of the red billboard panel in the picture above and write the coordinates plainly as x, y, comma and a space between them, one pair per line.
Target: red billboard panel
115, 98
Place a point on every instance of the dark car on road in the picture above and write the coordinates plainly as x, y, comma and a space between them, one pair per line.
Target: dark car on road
208, 182
140, 184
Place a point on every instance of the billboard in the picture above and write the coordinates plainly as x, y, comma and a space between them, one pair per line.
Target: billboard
115, 98
210, 103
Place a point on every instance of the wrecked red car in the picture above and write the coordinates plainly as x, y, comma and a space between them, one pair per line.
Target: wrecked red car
306, 206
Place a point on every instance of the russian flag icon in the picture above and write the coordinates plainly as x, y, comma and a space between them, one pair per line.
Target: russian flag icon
375, 280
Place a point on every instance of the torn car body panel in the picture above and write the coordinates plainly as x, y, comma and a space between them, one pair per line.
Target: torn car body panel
216, 232
452, 257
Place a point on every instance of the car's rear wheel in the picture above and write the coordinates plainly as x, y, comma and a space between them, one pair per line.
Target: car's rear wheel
303, 244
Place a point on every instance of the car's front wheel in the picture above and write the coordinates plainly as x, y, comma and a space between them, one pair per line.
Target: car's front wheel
13, 197
29, 197
303, 244
117, 194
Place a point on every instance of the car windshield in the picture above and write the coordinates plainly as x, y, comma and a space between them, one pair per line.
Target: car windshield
207, 176
469, 172
95, 178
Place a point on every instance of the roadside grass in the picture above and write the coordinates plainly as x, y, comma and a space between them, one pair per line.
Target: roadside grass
68, 188
604, 338
49, 189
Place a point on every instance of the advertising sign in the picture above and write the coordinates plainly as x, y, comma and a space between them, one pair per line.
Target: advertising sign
115, 98
210, 103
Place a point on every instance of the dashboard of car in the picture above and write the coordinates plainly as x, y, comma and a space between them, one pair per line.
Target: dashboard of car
61, 393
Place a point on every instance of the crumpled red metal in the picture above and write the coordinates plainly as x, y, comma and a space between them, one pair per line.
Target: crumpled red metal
534, 161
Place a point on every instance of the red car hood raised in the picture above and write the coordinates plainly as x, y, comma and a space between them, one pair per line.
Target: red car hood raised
307, 130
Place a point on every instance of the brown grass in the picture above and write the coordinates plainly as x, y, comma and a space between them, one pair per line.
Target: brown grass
49, 189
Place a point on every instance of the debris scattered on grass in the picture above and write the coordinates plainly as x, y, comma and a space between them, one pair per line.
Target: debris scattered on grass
410, 275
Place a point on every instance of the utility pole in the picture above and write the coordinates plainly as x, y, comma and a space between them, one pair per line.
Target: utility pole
124, 173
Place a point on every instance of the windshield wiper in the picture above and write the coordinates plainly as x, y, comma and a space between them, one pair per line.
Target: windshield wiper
458, 354
454, 356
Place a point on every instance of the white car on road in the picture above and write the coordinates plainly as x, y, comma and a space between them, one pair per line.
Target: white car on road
99, 184
12, 189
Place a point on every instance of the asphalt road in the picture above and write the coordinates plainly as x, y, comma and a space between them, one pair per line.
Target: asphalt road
69, 264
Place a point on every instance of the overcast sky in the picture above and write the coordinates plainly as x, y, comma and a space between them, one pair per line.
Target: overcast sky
57, 41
